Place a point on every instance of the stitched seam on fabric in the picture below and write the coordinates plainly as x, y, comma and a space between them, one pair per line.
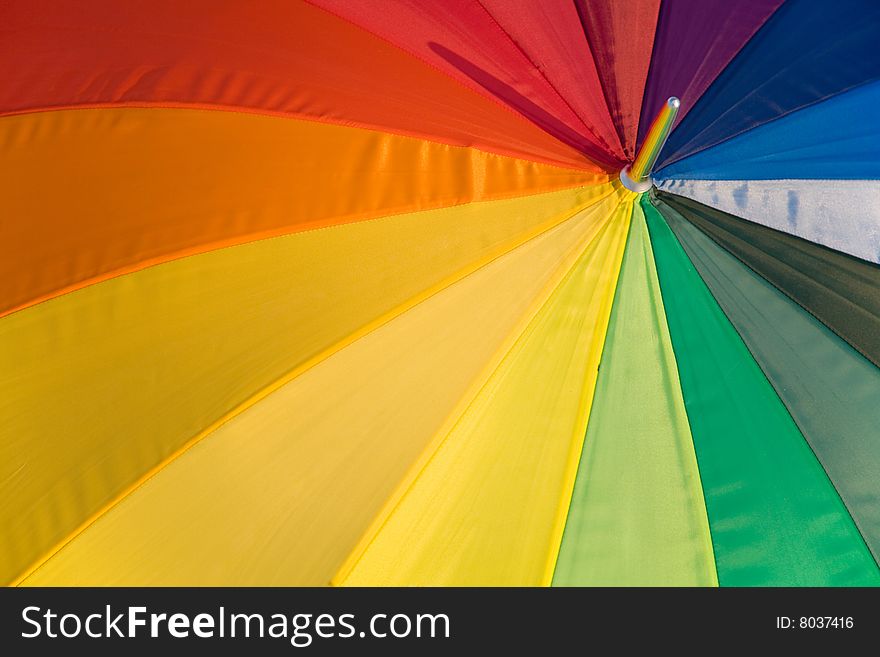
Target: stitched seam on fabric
277, 384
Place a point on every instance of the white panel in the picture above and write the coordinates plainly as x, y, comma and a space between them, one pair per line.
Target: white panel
841, 214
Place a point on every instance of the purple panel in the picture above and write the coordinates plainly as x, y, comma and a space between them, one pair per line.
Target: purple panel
695, 40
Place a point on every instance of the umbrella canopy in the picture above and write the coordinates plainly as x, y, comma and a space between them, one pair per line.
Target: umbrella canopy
359, 293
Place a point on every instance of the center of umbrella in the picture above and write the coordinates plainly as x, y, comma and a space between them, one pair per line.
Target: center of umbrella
637, 176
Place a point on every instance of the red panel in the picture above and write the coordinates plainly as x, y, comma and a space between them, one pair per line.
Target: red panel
621, 35
277, 56
462, 38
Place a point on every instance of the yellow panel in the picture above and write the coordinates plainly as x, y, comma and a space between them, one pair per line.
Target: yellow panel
88, 194
100, 385
488, 507
282, 492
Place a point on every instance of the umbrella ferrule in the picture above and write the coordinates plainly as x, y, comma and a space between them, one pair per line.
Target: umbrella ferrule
637, 177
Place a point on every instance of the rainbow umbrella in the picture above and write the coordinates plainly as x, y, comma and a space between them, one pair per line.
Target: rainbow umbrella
412, 292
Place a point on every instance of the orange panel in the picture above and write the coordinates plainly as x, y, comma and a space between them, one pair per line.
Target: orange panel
92, 193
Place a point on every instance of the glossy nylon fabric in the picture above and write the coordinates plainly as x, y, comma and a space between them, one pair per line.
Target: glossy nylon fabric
829, 388
840, 291
774, 516
488, 505
841, 214
288, 58
695, 40
135, 187
806, 52
283, 490
637, 516
464, 40
138, 365
621, 36
829, 140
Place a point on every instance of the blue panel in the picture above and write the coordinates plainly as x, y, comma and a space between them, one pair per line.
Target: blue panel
807, 51
836, 139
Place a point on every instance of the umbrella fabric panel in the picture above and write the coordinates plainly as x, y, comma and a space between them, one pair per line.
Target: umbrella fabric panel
841, 214
551, 35
829, 388
695, 40
462, 39
840, 291
282, 491
774, 516
133, 187
319, 295
637, 515
831, 139
488, 507
806, 52
621, 36
160, 355
169, 53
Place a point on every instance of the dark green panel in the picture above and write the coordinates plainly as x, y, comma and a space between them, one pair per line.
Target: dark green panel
774, 516
841, 291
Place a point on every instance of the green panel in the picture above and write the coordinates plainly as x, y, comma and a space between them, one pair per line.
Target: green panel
831, 391
775, 518
637, 516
